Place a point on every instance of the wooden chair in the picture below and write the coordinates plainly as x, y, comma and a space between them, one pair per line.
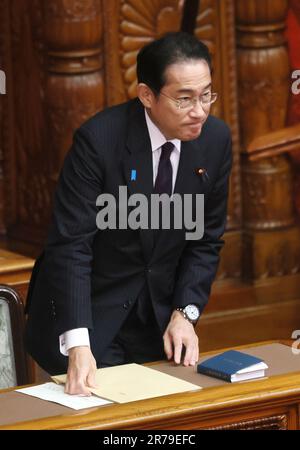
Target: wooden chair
275, 143
13, 359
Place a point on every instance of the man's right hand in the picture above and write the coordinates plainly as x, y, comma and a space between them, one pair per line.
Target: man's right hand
81, 371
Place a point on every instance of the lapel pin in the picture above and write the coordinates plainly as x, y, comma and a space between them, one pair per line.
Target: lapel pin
133, 175
202, 172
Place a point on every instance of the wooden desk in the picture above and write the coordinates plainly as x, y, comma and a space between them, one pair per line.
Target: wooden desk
269, 403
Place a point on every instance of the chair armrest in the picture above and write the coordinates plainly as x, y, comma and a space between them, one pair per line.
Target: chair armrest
274, 143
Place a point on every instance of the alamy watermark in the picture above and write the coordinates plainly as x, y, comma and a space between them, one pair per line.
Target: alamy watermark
2, 82
181, 211
296, 83
295, 345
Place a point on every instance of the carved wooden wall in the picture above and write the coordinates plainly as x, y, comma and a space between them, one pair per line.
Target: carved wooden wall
266, 304
271, 237
215, 25
53, 55
5, 109
293, 41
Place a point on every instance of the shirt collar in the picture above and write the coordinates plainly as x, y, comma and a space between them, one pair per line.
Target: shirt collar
156, 137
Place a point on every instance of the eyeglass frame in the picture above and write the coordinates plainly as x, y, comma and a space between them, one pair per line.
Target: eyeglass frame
193, 100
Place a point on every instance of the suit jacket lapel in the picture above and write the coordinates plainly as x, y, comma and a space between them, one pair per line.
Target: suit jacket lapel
193, 155
137, 165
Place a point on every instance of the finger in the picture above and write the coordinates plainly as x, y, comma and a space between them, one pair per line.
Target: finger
194, 359
177, 351
189, 353
77, 386
196, 353
91, 380
192, 353
77, 389
168, 346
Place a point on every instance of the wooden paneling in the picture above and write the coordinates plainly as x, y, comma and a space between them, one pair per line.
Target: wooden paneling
246, 324
263, 83
279, 422
215, 25
53, 58
128, 26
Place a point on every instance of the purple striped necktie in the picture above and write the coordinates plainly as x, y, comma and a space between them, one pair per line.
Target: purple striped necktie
163, 182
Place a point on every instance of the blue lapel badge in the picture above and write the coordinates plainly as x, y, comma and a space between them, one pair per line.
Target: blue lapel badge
133, 175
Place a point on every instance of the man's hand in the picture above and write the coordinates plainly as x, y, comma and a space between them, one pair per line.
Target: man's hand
81, 371
181, 332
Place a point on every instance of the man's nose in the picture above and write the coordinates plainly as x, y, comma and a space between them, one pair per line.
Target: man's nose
198, 110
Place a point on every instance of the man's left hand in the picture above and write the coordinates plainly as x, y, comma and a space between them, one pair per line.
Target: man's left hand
180, 332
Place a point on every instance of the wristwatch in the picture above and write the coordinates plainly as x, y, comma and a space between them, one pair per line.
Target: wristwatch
190, 312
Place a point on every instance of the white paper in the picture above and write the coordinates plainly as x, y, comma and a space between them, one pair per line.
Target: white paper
53, 392
133, 382
254, 367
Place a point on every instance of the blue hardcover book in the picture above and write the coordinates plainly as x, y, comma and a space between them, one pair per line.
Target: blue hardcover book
233, 366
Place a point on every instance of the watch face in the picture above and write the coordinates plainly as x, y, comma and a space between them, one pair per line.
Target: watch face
192, 312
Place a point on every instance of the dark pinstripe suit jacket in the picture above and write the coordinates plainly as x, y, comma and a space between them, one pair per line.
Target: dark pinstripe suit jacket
91, 278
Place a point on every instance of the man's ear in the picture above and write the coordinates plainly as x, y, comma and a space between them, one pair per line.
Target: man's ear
145, 95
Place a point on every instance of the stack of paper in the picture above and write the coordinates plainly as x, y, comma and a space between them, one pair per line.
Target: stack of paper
53, 392
131, 382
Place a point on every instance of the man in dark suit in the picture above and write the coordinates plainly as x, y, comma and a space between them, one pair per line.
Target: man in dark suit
102, 297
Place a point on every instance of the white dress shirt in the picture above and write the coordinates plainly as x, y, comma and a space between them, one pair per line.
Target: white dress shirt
80, 336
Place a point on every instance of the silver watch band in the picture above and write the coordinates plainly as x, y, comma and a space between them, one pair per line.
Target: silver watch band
182, 310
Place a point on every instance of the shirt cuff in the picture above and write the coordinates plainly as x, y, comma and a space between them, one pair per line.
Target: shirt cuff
73, 338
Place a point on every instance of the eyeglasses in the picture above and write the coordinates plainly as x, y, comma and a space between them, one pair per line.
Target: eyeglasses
184, 103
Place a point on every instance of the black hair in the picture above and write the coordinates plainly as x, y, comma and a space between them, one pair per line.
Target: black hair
154, 58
